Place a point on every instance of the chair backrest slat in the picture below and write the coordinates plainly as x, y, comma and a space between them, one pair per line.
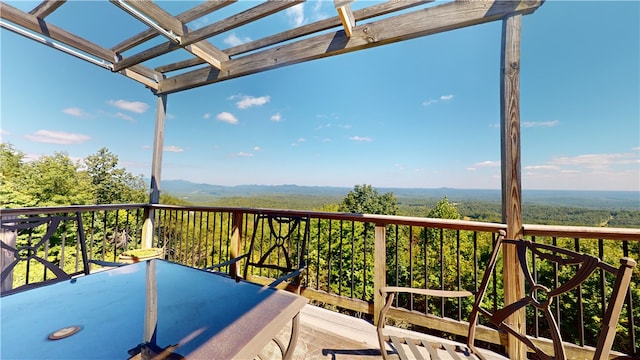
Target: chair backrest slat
540, 296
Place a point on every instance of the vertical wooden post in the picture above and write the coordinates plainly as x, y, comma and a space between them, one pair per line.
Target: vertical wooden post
236, 241
6, 256
511, 178
151, 304
156, 167
379, 269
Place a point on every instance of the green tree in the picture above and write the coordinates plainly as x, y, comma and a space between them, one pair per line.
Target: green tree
112, 185
12, 194
364, 199
56, 180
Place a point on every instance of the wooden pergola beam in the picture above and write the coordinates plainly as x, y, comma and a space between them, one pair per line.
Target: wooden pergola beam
346, 15
185, 17
46, 7
138, 73
321, 25
245, 17
423, 22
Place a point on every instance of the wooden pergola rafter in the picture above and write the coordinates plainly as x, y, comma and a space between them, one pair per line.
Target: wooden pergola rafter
349, 30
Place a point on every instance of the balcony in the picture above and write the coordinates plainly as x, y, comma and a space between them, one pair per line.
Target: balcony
350, 256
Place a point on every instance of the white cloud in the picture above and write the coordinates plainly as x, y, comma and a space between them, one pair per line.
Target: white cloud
431, 101
173, 148
257, 148
542, 167
233, 40
595, 161
57, 137
5, 132
528, 124
227, 117
206, 116
77, 112
242, 154
137, 107
124, 116
483, 164
361, 138
326, 140
299, 141
276, 117
249, 101
296, 14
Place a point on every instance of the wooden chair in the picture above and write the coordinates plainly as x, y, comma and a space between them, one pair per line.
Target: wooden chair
278, 244
28, 240
539, 296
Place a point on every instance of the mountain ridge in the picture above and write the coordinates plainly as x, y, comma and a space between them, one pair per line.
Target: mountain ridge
599, 199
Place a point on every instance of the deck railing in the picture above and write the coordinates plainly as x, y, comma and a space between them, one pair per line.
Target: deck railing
350, 256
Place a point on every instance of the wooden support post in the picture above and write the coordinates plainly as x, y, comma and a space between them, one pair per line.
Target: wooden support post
236, 241
151, 304
156, 167
511, 178
379, 269
6, 256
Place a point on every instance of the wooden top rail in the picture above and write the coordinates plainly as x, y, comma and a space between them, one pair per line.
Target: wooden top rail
583, 232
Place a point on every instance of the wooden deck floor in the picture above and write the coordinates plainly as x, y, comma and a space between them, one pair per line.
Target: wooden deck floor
325, 334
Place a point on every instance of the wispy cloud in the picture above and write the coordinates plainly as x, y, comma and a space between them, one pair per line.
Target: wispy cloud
257, 148
596, 161
276, 117
173, 148
361, 138
137, 107
5, 132
249, 101
227, 117
483, 164
77, 112
206, 116
234, 40
296, 15
57, 137
529, 124
586, 172
299, 141
242, 154
124, 116
431, 101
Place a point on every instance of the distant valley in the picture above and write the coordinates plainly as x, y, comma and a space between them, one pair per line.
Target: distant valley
602, 200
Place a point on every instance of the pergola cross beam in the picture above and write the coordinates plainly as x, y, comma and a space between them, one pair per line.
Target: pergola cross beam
202, 49
432, 20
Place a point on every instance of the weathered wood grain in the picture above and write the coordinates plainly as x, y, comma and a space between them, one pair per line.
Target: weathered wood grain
511, 177
46, 7
423, 22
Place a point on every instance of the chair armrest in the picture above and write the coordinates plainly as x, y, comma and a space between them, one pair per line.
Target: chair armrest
428, 292
226, 263
288, 276
106, 263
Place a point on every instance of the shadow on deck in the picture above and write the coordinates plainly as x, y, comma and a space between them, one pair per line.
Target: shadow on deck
325, 334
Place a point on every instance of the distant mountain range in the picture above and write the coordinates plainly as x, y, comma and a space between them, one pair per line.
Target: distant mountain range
199, 193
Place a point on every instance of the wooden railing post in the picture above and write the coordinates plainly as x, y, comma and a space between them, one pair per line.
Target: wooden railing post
379, 269
236, 241
511, 178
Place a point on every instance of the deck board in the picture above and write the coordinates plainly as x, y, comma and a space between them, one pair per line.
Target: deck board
326, 334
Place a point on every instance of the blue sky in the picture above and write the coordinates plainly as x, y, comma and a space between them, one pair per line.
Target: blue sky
421, 113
